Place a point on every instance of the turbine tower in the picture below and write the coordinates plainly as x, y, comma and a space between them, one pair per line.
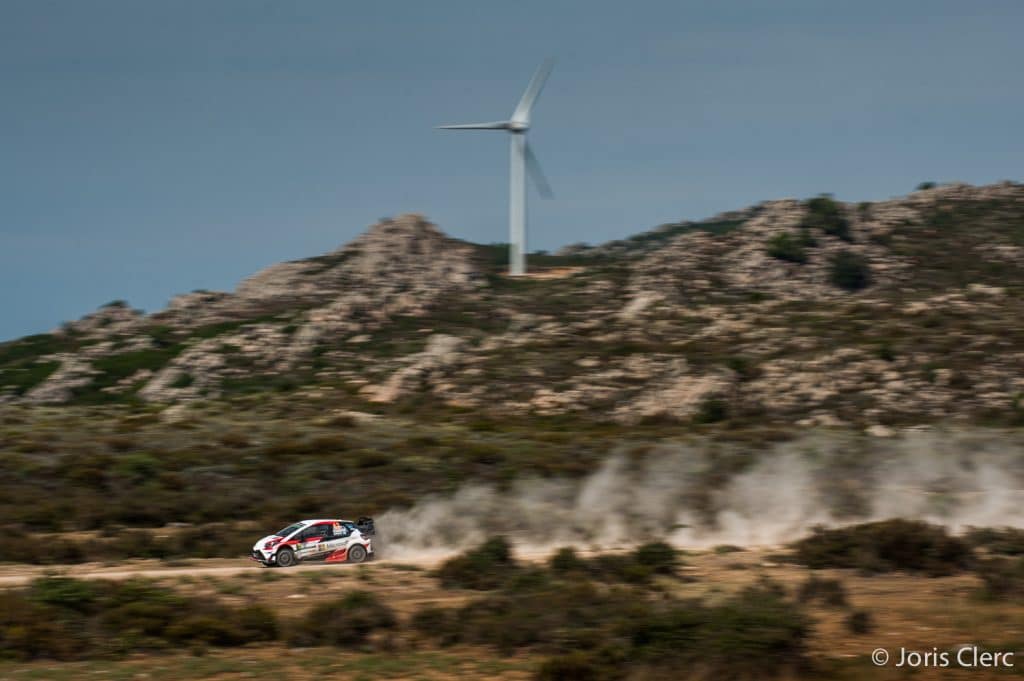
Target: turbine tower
520, 158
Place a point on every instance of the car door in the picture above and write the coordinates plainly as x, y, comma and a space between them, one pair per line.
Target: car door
335, 544
311, 540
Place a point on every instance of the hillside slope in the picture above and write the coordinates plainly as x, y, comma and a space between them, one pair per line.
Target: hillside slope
790, 312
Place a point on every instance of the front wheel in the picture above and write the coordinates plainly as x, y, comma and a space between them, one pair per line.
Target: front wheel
285, 558
357, 554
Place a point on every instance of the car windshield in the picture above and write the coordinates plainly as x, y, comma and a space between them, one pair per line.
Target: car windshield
288, 530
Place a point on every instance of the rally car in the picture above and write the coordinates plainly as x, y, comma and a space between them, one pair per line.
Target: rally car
329, 540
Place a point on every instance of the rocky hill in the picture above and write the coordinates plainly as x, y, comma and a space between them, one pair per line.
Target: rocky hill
816, 312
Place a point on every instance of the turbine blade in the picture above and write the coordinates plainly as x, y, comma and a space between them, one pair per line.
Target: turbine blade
522, 112
494, 125
533, 167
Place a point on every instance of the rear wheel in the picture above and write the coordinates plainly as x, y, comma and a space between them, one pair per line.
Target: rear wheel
356, 553
285, 558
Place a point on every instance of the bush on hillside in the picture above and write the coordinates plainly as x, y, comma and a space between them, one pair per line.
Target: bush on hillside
826, 214
886, 546
788, 247
488, 566
636, 567
1001, 578
830, 592
849, 271
345, 621
1007, 541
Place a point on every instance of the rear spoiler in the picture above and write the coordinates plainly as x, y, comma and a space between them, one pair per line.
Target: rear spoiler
365, 525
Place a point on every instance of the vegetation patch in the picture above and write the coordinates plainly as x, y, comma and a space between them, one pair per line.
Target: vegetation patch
1002, 578
26, 376
830, 592
637, 567
591, 631
345, 621
67, 619
23, 363
849, 271
488, 566
886, 546
789, 247
1007, 541
826, 214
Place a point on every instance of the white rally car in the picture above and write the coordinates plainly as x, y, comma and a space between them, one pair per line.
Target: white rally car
328, 540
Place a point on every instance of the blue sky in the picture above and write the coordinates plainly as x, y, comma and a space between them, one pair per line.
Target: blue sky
149, 148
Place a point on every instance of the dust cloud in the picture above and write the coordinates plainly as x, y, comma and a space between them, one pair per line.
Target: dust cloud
702, 494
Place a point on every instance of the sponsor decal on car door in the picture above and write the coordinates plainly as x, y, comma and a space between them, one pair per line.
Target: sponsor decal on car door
337, 538
309, 544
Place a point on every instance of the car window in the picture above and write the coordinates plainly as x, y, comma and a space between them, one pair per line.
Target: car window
321, 530
288, 530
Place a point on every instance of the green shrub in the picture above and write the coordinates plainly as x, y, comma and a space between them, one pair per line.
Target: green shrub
1001, 578
727, 548
566, 560
31, 630
926, 185
860, 622
510, 621
609, 567
830, 592
658, 557
712, 411
26, 376
431, 620
886, 546
788, 247
486, 567
1007, 541
345, 621
636, 567
849, 271
825, 214
64, 592
885, 352
744, 367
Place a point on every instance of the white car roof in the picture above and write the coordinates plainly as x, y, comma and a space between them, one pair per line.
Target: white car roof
324, 520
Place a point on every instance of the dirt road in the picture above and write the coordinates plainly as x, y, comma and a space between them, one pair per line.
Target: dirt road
13, 575
18, 575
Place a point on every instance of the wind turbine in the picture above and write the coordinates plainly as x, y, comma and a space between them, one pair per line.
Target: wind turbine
520, 157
